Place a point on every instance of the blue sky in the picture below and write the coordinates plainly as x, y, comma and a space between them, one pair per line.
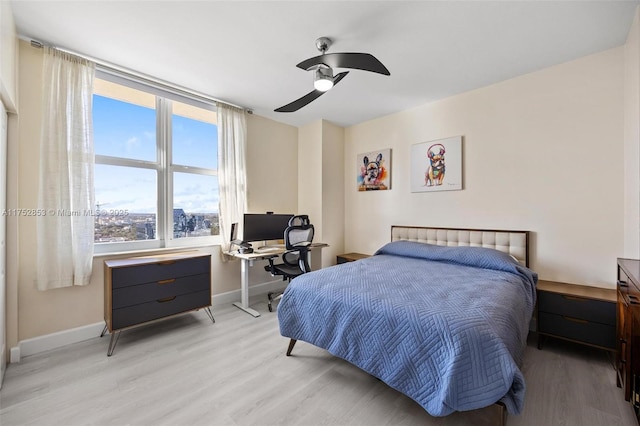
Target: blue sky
125, 130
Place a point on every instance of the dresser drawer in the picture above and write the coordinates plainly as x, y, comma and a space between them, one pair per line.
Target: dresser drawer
578, 329
154, 272
596, 311
137, 294
132, 315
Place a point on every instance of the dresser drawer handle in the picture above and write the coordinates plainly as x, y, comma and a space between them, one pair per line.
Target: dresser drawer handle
622, 283
166, 299
575, 299
161, 282
580, 321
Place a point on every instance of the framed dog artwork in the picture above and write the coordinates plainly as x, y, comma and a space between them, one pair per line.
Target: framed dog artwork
437, 165
374, 170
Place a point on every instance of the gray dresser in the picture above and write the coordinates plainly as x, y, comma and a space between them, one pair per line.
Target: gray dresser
142, 289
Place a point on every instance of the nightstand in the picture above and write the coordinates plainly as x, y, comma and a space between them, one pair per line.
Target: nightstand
581, 314
350, 257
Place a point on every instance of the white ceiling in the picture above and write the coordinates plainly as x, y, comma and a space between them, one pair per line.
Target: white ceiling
245, 52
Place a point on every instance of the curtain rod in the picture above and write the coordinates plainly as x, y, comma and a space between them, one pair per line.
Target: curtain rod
107, 66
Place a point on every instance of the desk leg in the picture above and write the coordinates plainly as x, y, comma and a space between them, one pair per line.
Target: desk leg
244, 290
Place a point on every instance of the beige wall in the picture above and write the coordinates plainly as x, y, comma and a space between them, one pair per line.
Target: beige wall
542, 152
320, 189
310, 172
272, 166
632, 141
8, 57
33, 313
333, 179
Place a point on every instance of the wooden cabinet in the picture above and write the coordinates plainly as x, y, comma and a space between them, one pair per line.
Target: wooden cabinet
142, 289
350, 257
581, 314
628, 331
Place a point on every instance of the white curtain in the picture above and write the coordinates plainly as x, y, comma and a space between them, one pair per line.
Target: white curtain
66, 194
232, 173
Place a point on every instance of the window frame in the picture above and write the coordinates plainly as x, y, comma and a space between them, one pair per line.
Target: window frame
165, 169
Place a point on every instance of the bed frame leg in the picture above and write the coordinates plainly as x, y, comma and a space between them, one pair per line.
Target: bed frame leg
502, 411
292, 343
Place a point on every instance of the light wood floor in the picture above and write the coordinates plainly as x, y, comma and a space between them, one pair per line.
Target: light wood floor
187, 371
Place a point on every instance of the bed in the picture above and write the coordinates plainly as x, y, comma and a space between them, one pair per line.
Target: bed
441, 315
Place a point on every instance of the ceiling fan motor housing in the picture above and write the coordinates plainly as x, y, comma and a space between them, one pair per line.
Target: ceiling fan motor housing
323, 79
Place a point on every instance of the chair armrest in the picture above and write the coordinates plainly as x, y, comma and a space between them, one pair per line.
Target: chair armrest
271, 267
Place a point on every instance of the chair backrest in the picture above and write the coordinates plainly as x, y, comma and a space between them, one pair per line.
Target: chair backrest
299, 236
299, 233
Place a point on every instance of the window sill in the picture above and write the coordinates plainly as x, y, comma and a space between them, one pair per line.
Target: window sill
145, 252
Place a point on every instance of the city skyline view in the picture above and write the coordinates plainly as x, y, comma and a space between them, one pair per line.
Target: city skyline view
126, 130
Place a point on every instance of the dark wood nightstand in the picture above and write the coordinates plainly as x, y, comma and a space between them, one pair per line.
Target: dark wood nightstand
581, 314
350, 257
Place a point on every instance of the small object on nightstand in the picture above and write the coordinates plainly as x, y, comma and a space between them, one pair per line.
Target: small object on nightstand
350, 257
581, 314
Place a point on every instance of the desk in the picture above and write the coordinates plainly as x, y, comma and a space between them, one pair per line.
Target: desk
247, 260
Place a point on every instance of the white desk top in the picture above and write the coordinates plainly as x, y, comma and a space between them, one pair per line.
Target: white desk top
266, 254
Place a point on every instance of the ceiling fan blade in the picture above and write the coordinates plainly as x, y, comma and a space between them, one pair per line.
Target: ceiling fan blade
339, 77
309, 97
359, 61
299, 103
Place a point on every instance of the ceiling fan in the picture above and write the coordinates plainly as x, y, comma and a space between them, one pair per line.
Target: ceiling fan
323, 66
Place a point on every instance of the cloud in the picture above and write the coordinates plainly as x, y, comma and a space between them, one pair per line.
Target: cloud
132, 143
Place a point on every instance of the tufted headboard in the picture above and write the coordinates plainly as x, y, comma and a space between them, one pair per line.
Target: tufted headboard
516, 243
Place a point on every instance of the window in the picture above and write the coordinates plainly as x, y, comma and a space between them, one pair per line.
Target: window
156, 181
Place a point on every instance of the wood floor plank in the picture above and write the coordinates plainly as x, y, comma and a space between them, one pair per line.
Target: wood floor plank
188, 371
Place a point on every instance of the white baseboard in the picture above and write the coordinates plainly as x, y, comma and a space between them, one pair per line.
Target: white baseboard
59, 339
255, 290
14, 356
56, 340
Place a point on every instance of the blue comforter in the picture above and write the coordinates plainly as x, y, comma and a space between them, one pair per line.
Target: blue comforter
446, 326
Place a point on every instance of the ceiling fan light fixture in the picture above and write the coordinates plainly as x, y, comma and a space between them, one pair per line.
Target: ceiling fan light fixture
323, 79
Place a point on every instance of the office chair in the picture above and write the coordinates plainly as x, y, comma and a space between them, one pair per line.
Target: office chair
295, 261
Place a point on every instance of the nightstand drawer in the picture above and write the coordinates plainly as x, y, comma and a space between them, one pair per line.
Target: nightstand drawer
596, 311
578, 329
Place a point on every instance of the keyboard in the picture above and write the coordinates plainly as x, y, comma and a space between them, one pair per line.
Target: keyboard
267, 249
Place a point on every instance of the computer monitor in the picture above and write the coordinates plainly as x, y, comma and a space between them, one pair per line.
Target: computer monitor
265, 227
234, 232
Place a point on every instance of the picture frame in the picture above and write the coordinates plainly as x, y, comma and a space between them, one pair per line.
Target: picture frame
437, 165
374, 170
